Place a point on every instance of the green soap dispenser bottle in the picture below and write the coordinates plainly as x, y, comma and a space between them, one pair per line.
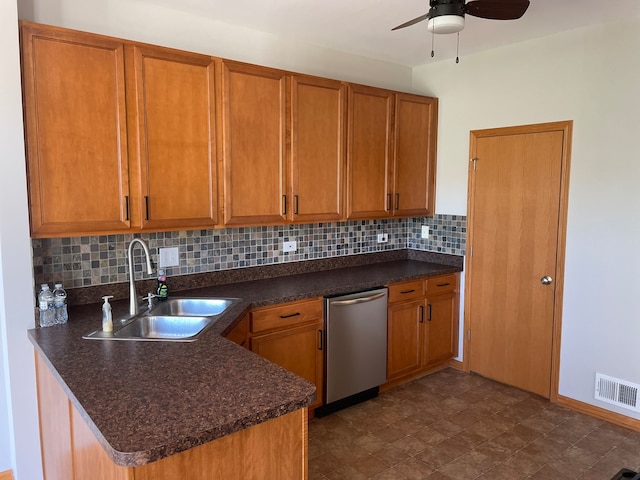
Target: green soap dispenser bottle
162, 291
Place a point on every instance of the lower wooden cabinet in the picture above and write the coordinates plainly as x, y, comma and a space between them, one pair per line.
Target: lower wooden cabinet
276, 448
422, 325
292, 335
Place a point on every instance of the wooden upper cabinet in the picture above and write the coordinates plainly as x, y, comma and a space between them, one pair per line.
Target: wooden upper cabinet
76, 137
253, 133
391, 153
318, 108
369, 152
175, 115
415, 134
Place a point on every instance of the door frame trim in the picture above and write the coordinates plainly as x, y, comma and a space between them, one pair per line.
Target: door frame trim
566, 127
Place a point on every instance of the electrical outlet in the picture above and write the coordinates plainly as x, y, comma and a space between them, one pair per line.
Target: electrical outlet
383, 238
169, 257
425, 231
290, 246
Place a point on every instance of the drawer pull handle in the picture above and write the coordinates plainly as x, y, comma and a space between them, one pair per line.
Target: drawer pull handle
284, 204
319, 339
295, 203
443, 284
146, 207
290, 315
429, 318
421, 314
397, 201
389, 202
126, 207
404, 292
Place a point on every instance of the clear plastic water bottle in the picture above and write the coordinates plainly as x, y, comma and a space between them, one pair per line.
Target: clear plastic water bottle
45, 302
60, 304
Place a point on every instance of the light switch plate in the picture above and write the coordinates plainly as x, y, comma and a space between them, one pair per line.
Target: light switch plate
383, 238
169, 257
290, 246
425, 231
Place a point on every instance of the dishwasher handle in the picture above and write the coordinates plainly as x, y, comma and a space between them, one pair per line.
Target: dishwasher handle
353, 301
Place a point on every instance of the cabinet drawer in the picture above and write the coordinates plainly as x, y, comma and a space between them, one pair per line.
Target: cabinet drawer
400, 292
442, 284
285, 315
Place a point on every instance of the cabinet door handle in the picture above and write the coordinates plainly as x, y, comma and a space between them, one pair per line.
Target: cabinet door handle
295, 204
284, 204
442, 284
421, 314
404, 292
290, 315
429, 318
146, 207
397, 201
126, 207
319, 339
389, 201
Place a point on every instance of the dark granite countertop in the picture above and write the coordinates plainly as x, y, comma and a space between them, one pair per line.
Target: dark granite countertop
148, 400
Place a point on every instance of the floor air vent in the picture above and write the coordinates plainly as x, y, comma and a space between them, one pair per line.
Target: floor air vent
618, 392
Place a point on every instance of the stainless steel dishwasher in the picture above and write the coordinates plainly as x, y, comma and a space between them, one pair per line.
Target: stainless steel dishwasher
356, 348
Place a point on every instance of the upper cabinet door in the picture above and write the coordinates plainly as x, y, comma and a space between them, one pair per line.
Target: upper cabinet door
318, 125
369, 152
415, 134
76, 137
175, 113
253, 133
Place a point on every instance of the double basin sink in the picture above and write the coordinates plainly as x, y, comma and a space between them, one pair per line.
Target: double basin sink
176, 319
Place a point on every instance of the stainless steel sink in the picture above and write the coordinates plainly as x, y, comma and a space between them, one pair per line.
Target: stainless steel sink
192, 307
154, 327
177, 320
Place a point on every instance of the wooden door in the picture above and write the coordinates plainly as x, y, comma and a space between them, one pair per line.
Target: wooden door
175, 112
317, 149
369, 152
299, 350
414, 160
517, 215
76, 138
253, 133
404, 338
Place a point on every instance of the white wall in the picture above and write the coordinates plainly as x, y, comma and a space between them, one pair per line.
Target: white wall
16, 299
136, 20
591, 76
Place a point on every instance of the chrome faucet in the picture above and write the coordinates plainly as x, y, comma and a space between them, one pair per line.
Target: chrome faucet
133, 296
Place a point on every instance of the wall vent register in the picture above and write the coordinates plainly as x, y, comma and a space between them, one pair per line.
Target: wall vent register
617, 392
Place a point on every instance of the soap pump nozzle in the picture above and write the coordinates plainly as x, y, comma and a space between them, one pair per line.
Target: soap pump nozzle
107, 318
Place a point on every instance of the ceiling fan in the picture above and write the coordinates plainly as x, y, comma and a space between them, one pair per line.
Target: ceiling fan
447, 16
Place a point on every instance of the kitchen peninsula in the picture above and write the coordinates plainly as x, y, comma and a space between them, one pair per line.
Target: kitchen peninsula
164, 409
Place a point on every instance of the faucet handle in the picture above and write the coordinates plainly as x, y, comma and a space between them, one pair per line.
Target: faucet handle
150, 296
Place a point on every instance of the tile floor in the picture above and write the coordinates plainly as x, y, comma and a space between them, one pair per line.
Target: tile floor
453, 425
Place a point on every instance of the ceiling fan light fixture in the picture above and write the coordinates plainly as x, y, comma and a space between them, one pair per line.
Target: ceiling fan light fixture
444, 24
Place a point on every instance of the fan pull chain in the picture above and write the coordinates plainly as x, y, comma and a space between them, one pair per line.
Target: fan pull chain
458, 49
433, 35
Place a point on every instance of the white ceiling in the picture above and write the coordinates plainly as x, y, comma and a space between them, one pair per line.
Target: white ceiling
363, 27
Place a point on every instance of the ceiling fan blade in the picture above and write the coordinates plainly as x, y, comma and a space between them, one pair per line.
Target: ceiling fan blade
412, 22
497, 9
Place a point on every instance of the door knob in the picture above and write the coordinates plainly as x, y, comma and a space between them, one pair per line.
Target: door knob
546, 280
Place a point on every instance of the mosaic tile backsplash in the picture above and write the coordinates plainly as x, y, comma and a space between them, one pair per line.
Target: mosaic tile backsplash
98, 260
